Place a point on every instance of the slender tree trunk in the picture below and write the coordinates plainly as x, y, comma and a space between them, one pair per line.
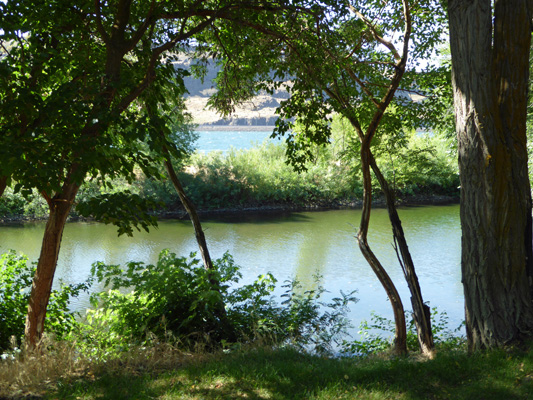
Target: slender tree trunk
202, 244
400, 339
421, 312
193, 215
60, 206
490, 65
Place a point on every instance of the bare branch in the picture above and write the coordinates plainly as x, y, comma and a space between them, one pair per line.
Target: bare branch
148, 22
362, 85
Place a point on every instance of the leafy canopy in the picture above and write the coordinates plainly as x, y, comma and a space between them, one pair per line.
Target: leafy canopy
336, 58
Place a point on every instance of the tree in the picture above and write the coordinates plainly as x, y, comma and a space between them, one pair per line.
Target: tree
338, 59
164, 118
71, 75
490, 45
67, 112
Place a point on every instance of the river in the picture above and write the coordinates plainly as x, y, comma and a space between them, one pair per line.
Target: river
290, 245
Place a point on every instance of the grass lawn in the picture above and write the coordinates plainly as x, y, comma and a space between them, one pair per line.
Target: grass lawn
286, 374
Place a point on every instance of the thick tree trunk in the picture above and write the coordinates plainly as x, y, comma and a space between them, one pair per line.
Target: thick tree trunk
400, 338
490, 77
421, 312
60, 206
3, 184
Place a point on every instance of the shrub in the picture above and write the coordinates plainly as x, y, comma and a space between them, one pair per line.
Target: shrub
11, 204
15, 204
261, 176
178, 297
15, 284
373, 341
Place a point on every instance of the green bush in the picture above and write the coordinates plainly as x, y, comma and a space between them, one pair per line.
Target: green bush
14, 205
414, 164
175, 294
11, 204
16, 277
178, 297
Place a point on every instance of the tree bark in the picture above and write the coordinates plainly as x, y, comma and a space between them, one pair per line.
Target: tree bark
421, 312
3, 185
490, 66
60, 206
193, 215
400, 337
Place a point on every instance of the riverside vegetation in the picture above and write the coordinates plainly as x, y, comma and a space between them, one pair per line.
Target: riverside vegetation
168, 318
166, 330
418, 165
162, 340
53, 152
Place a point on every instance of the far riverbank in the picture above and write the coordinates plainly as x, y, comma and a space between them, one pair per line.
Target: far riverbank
256, 176
409, 201
180, 213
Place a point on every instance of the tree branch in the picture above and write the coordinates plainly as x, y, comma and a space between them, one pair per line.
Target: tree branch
150, 70
138, 35
380, 39
99, 26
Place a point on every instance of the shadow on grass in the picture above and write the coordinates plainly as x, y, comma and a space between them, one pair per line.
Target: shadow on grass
286, 374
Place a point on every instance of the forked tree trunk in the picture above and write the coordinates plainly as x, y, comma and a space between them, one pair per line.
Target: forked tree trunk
400, 338
60, 206
490, 78
421, 312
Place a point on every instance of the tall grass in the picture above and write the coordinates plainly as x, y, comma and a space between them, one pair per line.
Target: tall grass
261, 177
423, 165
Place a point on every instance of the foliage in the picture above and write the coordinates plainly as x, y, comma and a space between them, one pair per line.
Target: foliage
301, 319
178, 297
334, 58
419, 164
124, 209
373, 341
72, 115
261, 176
69, 115
14, 205
15, 283
413, 162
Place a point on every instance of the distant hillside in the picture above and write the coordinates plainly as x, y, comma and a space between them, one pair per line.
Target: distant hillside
259, 113
255, 114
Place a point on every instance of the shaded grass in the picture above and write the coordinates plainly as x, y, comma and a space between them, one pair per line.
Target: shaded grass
263, 373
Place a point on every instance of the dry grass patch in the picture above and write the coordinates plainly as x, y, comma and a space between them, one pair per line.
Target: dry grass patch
35, 373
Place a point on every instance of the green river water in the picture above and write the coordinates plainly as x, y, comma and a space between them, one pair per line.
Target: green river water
290, 245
